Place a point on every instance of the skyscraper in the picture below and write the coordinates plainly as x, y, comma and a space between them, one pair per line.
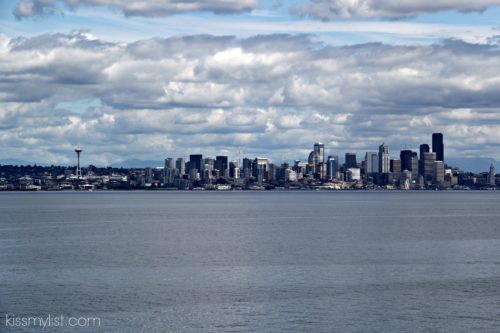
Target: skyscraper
439, 172
181, 166
221, 164
491, 176
371, 162
428, 170
383, 158
195, 162
350, 160
424, 148
438, 146
405, 157
319, 148
331, 168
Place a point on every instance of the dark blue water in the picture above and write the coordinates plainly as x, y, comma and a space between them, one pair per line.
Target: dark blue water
253, 262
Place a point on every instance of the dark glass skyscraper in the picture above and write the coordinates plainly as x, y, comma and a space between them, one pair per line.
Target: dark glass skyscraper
424, 148
438, 146
221, 164
195, 162
405, 157
350, 160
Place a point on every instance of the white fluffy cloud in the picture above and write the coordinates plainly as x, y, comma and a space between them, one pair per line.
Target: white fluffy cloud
267, 95
390, 9
150, 8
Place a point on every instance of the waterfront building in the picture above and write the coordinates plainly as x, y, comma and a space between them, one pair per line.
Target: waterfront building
353, 174
438, 146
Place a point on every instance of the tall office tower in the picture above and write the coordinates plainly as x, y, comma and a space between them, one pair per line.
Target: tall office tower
221, 164
180, 165
414, 166
169, 171
331, 168
438, 146
322, 170
232, 166
195, 162
439, 172
208, 164
350, 160
424, 148
259, 168
395, 169
383, 159
371, 162
428, 170
491, 176
169, 163
313, 162
405, 157
247, 168
319, 148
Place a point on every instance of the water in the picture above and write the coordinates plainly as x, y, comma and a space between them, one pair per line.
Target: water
253, 262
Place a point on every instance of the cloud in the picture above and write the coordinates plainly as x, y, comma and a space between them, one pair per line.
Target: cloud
268, 95
147, 8
387, 9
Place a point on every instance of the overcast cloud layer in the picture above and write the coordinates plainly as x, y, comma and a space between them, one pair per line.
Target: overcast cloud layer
150, 8
389, 9
272, 95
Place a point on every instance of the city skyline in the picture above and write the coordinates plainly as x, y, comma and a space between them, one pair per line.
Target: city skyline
246, 78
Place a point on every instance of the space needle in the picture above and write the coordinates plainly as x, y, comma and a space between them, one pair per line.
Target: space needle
78, 150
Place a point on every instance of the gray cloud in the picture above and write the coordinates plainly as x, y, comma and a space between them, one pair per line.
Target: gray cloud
388, 9
148, 8
268, 95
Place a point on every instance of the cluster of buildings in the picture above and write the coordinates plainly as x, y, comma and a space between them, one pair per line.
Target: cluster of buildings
422, 169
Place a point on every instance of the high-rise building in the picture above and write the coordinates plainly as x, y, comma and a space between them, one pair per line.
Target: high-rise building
428, 170
180, 165
247, 168
383, 159
395, 169
405, 157
350, 160
438, 146
424, 148
439, 172
169, 171
491, 176
222, 165
414, 166
195, 162
319, 148
331, 168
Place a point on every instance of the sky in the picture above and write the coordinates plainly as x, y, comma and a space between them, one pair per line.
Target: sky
153, 79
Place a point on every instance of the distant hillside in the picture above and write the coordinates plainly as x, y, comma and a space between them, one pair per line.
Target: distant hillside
135, 163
